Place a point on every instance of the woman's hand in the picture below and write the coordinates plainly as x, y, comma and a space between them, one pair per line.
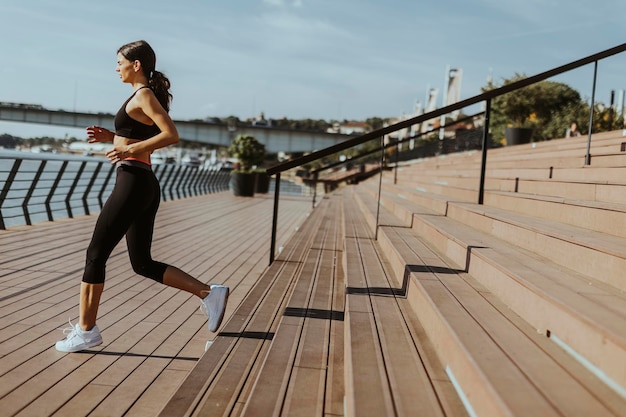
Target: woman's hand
99, 134
118, 153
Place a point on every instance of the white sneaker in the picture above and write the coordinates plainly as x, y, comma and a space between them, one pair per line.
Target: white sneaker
214, 305
78, 339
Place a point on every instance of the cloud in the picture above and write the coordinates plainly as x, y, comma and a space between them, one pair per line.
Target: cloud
557, 13
283, 3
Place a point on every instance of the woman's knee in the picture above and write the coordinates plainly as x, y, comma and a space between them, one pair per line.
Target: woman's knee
94, 272
150, 269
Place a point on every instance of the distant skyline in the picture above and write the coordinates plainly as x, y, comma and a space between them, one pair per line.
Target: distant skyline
299, 59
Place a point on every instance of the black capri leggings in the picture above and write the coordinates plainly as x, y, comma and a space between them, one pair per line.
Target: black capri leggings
130, 210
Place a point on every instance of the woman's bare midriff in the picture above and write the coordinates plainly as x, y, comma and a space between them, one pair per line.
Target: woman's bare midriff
122, 141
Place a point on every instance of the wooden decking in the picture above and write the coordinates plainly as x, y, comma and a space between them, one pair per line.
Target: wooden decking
427, 305
273, 355
153, 335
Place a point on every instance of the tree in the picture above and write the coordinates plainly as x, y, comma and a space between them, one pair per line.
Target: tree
376, 123
535, 106
7, 141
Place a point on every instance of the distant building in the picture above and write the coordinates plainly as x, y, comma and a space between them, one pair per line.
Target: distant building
88, 148
350, 128
260, 120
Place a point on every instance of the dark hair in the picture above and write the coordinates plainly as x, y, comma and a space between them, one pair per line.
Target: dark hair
157, 81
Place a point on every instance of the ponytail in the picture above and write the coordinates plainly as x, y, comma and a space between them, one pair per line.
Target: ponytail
160, 85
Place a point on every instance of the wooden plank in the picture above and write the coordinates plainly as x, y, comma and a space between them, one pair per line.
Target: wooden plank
264, 300
565, 393
410, 382
599, 390
162, 387
546, 294
335, 387
273, 392
526, 349
307, 386
364, 359
40, 291
214, 398
127, 391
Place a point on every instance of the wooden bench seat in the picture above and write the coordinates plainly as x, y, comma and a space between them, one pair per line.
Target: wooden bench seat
468, 191
604, 217
391, 368
541, 160
603, 242
596, 215
551, 298
594, 254
442, 295
608, 193
500, 363
368, 206
602, 184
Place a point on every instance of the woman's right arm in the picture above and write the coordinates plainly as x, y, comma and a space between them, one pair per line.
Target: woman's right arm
99, 134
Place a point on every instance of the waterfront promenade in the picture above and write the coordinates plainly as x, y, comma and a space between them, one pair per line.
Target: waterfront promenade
396, 296
153, 335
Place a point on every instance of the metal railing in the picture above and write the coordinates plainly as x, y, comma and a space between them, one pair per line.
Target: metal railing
459, 142
44, 187
485, 98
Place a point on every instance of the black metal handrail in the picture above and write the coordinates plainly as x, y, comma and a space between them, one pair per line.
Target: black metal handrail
394, 144
485, 97
488, 95
43, 187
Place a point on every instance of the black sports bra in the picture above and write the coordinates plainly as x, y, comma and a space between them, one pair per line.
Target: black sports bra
130, 128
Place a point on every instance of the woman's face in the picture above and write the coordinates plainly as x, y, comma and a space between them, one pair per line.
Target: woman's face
125, 68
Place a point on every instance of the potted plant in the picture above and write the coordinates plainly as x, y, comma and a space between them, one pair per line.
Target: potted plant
250, 153
262, 182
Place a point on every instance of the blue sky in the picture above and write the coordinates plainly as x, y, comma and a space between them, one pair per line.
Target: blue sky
328, 59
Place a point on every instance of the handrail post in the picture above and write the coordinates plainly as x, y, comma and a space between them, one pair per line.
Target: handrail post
275, 218
92, 181
31, 190
397, 156
483, 162
53, 189
5, 190
70, 193
591, 108
315, 174
380, 182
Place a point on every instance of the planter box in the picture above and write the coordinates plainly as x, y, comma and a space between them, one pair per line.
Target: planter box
262, 183
518, 135
243, 183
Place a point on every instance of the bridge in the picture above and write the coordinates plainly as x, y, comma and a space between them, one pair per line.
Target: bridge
217, 134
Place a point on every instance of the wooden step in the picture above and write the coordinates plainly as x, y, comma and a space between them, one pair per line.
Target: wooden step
526, 281
609, 218
391, 368
227, 370
298, 375
549, 297
501, 365
607, 193
594, 254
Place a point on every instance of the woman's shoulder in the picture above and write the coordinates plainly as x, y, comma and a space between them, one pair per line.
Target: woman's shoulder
144, 95
143, 92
